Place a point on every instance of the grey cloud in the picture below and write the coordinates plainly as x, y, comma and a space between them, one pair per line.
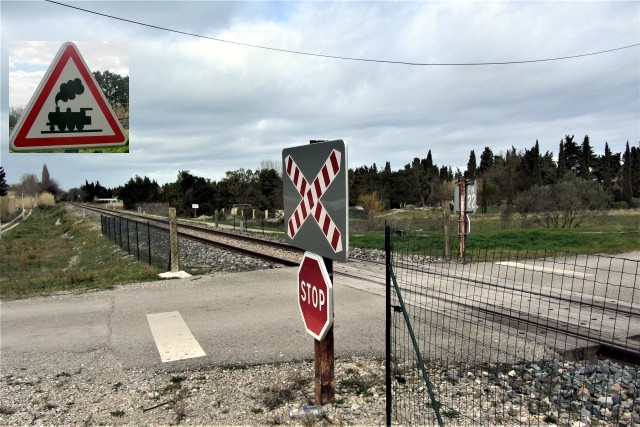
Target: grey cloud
212, 107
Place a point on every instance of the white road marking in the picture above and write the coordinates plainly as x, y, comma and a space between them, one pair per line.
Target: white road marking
545, 269
173, 337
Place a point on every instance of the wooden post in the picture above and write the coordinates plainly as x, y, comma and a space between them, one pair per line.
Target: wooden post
216, 218
462, 223
173, 240
324, 360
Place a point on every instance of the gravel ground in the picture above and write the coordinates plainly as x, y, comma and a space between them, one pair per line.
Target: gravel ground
95, 389
548, 393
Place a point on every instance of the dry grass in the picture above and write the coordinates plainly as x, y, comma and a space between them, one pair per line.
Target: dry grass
11, 204
56, 250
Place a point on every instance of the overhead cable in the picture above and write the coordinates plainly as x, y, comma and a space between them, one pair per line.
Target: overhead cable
346, 58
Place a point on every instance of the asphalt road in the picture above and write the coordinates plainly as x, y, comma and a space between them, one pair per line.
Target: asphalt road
237, 318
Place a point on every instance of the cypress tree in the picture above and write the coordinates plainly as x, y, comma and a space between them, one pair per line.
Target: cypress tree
470, 173
572, 154
487, 160
606, 169
585, 159
3, 182
562, 161
627, 190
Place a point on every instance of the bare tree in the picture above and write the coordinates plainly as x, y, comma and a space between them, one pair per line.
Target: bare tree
28, 185
271, 164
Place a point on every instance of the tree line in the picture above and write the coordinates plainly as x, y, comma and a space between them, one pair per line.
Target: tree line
502, 179
527, 182
262, 189
503, 176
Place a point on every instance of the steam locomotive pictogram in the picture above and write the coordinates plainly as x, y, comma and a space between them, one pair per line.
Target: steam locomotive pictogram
68, 120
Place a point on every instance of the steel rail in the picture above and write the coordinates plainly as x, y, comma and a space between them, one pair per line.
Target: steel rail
544, 327
186, 229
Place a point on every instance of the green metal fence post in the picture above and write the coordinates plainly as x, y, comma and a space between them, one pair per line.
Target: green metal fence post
137, 242
149, 240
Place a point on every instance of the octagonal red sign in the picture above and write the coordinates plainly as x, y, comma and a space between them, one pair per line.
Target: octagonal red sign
315, 295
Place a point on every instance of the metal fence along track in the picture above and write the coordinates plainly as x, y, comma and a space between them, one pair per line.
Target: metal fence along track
509, 336
147, 242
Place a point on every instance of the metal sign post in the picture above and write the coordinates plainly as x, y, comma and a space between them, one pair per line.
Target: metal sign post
464, 202
462, 221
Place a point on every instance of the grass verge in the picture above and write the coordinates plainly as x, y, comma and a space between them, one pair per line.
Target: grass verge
57, 250
615, 234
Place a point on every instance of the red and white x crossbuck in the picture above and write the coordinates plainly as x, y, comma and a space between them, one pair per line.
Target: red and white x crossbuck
310, 199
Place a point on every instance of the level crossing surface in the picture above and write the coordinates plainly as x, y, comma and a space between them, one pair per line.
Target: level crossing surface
253, 317
235, 318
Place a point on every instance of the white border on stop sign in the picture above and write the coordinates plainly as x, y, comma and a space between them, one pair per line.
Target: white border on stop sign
329, 282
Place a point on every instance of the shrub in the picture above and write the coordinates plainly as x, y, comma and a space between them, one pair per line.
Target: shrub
565, 204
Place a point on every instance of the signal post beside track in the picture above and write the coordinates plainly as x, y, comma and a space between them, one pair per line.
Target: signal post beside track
464, 202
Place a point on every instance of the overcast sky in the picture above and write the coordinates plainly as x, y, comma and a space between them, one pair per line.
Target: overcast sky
211, 107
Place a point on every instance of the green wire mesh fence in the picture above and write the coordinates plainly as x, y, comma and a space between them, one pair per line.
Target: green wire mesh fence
501, 335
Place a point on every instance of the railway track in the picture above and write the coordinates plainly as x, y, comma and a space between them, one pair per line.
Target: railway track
270, 250
577, 322
266, 249
249, 245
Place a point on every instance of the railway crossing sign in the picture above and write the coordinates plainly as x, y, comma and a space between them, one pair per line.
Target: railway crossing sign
315, 295
316, 198
68, 110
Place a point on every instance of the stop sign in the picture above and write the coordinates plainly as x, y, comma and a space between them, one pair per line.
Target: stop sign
315, 295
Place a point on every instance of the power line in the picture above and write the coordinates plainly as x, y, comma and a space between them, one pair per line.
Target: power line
346, 58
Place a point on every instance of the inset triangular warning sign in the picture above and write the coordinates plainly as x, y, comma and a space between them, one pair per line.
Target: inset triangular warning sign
68, 110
